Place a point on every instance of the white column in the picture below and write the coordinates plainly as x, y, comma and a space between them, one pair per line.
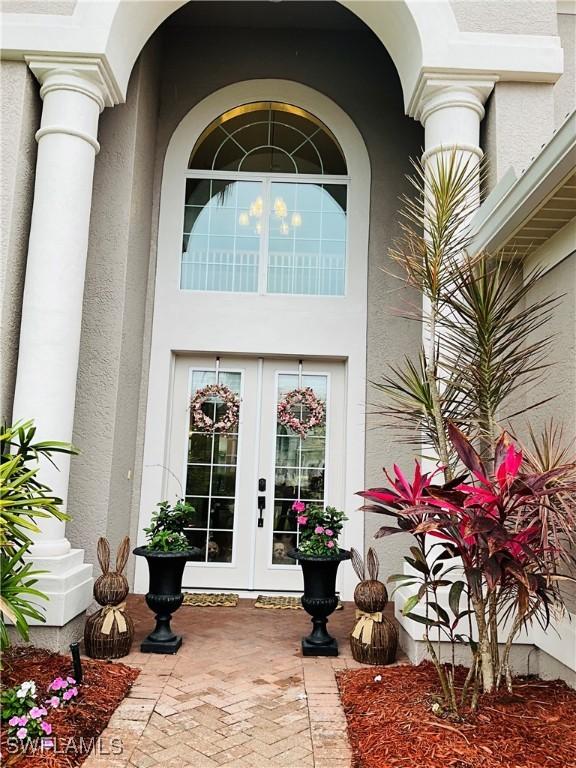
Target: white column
451, 111
74, 93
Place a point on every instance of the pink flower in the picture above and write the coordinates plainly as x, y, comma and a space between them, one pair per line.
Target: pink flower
328, 532
70, 693
57, 684
46, 727
22, 733
330, 544
319, 529
298, 506
37, 712
23, 720
71, 680
14, 720
302, 519
53, 701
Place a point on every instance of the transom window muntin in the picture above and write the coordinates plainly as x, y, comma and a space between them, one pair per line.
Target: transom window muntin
268, 137
259, 231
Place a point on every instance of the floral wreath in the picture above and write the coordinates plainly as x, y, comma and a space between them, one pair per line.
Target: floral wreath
315, 408
229, 419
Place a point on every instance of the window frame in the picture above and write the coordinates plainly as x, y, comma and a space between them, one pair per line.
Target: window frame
267, 179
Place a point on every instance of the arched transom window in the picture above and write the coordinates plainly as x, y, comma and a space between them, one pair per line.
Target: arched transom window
265, 206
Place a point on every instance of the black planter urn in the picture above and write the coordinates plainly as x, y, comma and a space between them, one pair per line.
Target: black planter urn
164, 596
319, 598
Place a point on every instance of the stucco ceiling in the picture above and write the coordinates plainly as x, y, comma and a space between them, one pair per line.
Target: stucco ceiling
266, 14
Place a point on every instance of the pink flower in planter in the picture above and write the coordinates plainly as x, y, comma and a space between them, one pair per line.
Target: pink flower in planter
302, 519
298, 506
330, 544
328, 532
23, 720
46, 727
37, 712
70, 693
53, 701
14, 720
71, 680
57, 684
22, 733
319, 529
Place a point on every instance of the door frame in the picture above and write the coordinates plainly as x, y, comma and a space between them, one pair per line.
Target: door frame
186, 322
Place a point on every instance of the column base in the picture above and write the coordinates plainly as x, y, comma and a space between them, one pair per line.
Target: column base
56, 639
67, 584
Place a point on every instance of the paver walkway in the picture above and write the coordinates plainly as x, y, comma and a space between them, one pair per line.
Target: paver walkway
238, 693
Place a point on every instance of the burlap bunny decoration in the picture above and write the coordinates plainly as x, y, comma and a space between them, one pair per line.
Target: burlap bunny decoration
109, 632
374, 639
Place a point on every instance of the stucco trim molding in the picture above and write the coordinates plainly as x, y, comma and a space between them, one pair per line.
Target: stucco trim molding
421, 38
85, 74
69, 132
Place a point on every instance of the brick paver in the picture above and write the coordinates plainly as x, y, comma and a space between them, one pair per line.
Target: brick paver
238, 693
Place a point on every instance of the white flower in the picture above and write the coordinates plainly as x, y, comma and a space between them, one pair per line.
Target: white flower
27, 687
378, 679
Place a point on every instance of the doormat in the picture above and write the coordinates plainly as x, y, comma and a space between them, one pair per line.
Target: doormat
210, 599
283, 603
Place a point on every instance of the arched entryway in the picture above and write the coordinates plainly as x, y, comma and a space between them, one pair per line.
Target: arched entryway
261, 281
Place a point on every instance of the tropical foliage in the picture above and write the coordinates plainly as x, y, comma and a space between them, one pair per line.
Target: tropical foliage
492, 543
24, 499
502, 526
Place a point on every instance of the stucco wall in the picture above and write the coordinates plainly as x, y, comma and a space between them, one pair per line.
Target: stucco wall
104, 477
54, 7
19, 121
565, 88
560, 382
110, 381
528, 17
511, 135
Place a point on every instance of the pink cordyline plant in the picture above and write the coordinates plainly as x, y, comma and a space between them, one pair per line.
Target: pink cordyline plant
494, 524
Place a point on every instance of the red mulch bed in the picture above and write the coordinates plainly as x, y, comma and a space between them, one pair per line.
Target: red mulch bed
104, 685
391, 725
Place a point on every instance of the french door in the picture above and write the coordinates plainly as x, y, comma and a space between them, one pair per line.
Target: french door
242, 484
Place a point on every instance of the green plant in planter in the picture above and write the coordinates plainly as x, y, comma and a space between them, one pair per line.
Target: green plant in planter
166, 530
319, 528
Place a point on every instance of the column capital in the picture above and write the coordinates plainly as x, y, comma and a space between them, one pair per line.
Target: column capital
442, 90
81, 74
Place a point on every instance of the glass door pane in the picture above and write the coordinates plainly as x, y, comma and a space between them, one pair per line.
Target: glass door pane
299, 467
211, 475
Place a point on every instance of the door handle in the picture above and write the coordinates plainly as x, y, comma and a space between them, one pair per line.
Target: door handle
261, 502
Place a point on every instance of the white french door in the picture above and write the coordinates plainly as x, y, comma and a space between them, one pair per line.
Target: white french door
242, 484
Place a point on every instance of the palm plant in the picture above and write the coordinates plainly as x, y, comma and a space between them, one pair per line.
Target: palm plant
478, 314
23, 500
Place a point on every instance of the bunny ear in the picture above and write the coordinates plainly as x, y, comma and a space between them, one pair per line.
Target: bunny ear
357, 564
122, 556
103, 552
373, 564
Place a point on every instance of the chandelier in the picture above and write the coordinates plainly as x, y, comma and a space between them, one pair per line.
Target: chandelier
253, 216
